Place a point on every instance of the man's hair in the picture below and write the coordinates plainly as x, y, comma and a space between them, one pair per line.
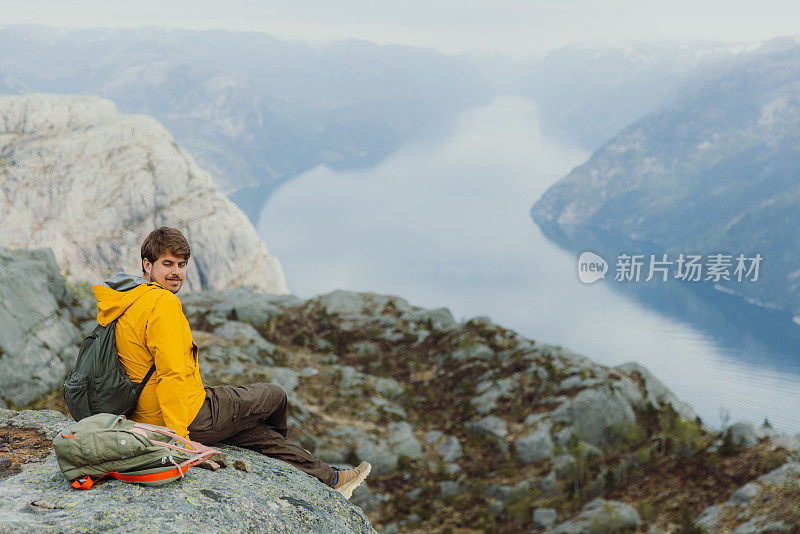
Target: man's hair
165, 240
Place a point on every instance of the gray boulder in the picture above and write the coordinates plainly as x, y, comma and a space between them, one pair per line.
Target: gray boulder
439, 318
745, 494
380, 455
238, 304
368, 501
600, 517
490, 392
341, 302
450, 449
757, 525
564, 466
790, 443
248, 340
353, 382
432, 436
379, 405
473, 350
495, 508
48, 422
403, 442
505, 494
594, 412
493, 430
536, 445
547, 485
578, 381
272, 497
544, 518
534, 418
362, 307
37, 337
289, 379
745, 434
286, 378
654, 391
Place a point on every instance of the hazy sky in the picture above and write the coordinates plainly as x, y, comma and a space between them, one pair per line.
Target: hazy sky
519, 27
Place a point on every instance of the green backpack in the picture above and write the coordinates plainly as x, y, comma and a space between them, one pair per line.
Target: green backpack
99, 383
110, 445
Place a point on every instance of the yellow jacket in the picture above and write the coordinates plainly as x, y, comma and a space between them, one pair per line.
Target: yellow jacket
151, 327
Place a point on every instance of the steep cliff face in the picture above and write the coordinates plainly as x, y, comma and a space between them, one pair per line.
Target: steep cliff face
78, 177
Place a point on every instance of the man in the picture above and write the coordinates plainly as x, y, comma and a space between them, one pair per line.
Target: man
152, 329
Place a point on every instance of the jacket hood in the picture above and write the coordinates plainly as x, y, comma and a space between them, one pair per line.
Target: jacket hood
118, 293
124, 282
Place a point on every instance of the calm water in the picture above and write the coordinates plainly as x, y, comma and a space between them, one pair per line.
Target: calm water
445, 222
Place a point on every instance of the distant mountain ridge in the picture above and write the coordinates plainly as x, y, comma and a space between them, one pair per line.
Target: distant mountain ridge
713, 170
90, 183
252, 110
586, 94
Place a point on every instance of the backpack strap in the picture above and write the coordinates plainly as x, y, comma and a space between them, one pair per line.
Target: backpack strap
192, 445
146, 378
146, 476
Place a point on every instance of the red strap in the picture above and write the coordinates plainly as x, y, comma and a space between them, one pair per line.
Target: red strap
83, 483
152, 477
87, 482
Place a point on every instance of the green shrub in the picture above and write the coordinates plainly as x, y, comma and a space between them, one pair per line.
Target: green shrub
728, 447
626, 433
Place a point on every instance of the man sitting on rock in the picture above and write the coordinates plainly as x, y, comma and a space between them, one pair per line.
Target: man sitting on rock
152, 329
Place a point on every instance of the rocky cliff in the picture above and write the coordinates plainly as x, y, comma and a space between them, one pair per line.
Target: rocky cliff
90, 183
467, 424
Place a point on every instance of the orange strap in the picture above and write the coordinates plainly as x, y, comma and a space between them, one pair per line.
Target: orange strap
83, 483
87, 482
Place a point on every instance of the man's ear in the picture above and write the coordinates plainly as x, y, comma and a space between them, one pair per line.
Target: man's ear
146, 267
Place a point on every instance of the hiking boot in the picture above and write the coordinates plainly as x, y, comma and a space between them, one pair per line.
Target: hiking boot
350, 479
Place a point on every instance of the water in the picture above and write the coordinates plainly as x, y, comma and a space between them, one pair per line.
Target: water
444, 222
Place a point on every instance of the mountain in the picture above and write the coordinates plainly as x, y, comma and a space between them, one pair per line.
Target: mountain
251, 109
587, 93
711, 171
90, 183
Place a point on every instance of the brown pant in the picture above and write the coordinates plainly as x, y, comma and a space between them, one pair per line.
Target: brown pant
254, 417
